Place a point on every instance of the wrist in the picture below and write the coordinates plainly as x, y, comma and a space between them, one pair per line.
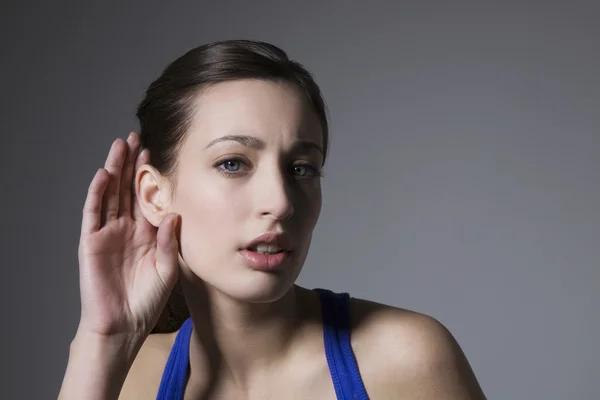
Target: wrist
120, 348
98, 365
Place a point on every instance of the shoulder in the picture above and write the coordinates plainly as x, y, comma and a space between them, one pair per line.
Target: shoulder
143, 379
407, 354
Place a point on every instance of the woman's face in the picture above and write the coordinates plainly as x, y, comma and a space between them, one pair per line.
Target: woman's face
249, 165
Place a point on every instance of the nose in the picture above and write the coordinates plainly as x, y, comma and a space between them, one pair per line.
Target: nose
275, 198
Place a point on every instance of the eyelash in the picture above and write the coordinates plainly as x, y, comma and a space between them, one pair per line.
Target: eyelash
317, 173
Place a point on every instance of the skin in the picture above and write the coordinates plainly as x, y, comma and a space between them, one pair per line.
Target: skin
256, 335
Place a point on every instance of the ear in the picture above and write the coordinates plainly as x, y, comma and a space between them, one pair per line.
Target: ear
153, 193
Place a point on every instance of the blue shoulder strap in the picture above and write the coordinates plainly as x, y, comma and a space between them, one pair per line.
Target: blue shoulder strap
338, 349
172, 384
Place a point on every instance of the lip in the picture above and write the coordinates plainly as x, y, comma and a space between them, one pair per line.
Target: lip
278, 239
264, 262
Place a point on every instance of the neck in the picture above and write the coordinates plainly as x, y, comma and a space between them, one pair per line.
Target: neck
237, 340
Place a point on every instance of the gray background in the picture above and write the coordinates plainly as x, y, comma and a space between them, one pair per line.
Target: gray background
463, 179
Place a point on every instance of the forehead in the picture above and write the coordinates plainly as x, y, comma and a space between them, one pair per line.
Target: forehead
268, 110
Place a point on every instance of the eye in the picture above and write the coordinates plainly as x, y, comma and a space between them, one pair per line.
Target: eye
305, 171
231, 166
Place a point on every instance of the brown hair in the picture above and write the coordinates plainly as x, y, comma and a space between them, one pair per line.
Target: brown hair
165, 112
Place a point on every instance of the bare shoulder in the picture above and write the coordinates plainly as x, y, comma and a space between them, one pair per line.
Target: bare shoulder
405, 354
144, 376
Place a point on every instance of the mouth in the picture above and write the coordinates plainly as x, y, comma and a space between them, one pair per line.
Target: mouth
268, 251
270, 243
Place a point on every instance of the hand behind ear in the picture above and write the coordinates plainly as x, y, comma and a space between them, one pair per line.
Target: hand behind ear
127, 266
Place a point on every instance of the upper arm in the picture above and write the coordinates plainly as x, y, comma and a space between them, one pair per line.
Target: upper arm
438, 367
428, 362
407, 355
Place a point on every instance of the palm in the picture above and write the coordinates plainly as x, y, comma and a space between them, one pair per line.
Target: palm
123, 283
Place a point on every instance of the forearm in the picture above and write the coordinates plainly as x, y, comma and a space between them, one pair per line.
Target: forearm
97, 367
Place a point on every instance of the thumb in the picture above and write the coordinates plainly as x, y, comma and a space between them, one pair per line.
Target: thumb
167, 250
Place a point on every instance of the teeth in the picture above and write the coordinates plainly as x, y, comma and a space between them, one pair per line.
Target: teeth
267, 248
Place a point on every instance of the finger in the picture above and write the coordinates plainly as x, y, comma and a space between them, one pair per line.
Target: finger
92, 207
133, 145
167, 251
143, 158
114, 165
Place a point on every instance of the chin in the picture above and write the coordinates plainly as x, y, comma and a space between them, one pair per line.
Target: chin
258, 287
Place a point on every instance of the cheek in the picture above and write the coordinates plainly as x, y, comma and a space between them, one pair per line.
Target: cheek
312, 203
210, 213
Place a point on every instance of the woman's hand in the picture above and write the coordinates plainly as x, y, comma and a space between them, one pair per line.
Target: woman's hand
127, 266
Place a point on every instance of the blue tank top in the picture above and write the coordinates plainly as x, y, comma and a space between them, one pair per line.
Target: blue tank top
336, 334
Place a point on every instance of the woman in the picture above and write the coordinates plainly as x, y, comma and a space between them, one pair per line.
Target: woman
222, 201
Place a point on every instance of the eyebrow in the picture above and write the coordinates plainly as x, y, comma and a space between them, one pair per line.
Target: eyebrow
255, 143
246, 141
